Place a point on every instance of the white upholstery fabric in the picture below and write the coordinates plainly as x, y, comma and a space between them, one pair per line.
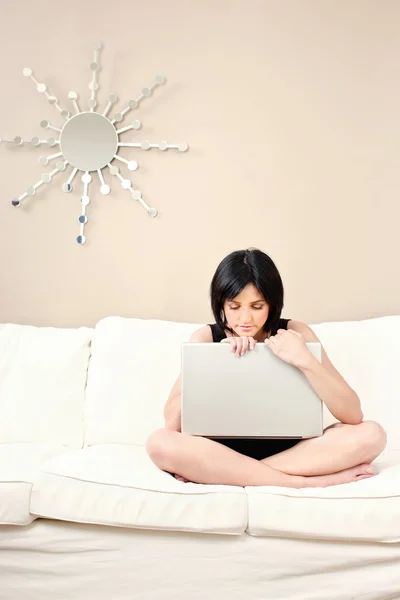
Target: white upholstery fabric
119, 485
366, 510
42, 384
135, 362
51, 560
19, 464
133, 367
367, 353
112, 481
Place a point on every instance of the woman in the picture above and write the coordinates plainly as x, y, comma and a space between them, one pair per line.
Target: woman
247, 300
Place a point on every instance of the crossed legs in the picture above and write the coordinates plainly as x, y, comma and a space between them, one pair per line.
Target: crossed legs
341, 455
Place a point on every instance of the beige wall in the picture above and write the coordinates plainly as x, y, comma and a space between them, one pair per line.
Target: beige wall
292, 112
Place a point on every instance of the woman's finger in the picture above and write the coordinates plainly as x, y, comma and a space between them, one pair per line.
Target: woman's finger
238, 346
273, 345
245, 345
233, 342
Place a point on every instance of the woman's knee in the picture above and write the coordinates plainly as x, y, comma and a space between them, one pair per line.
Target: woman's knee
367, 440
372, 438
158, 446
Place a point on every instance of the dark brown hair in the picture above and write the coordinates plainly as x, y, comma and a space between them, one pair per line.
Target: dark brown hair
235, 272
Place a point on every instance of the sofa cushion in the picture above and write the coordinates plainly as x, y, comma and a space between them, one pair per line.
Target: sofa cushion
133, 367
19, 464
367, 354
366, 510
135, 362
42, 384
119, 485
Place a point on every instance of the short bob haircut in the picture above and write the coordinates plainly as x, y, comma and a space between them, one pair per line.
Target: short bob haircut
235, 272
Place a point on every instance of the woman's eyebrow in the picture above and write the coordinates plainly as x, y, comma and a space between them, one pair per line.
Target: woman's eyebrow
254, 301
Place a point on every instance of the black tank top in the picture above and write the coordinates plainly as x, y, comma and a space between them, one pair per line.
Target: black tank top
219, 334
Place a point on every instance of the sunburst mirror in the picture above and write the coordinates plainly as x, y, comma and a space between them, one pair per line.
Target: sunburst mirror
89, 142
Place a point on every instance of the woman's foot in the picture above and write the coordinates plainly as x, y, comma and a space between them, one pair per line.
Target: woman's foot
347, 476
180, 478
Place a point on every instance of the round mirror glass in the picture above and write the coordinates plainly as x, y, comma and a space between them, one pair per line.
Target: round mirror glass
88, 141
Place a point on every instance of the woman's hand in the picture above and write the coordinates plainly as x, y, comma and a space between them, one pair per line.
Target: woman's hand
240, 345
289, 346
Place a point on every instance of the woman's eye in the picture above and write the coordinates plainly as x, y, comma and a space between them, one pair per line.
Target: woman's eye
236, 307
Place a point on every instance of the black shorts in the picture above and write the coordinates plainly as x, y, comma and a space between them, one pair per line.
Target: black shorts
258, 448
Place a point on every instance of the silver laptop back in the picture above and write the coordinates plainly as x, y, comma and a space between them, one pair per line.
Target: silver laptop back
256, 395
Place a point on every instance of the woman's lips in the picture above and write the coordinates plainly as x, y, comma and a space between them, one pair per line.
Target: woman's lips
246, 326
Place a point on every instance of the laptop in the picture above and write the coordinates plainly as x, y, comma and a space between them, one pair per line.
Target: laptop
256, 395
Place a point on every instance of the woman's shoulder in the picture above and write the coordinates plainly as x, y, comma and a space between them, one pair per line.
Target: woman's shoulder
304, 329
203, 334
293, 324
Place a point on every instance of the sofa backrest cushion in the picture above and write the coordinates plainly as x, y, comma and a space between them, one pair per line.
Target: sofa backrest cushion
133, 367
367, 354
135, 362
42, 384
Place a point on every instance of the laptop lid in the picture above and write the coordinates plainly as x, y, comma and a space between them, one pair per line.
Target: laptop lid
256, 395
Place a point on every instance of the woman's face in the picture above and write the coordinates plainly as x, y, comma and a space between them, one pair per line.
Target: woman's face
247, 313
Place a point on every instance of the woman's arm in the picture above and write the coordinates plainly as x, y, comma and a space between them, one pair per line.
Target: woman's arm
172, 409
334, 391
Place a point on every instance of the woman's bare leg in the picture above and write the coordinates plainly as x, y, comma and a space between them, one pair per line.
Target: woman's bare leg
340, 447
205, 461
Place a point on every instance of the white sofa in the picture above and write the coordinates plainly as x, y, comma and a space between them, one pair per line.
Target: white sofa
85, 514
